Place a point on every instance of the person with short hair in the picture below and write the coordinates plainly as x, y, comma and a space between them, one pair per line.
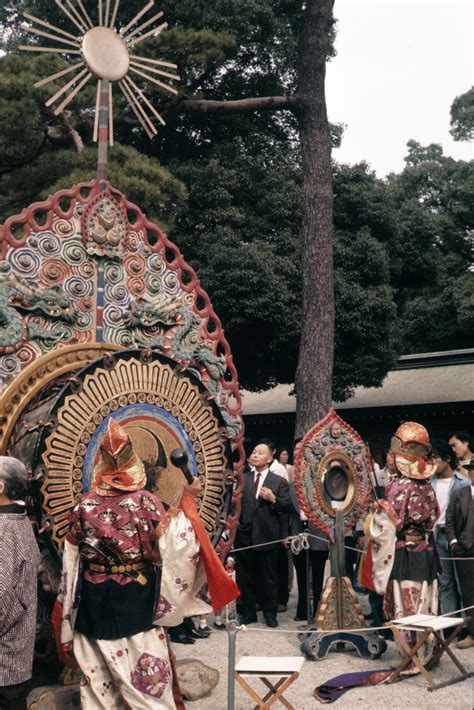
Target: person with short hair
445, 482
19, 561
462, 444
265, 498
283, 568
460, 535
275, 466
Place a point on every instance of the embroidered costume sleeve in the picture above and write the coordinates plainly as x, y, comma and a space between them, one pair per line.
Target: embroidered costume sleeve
183, 590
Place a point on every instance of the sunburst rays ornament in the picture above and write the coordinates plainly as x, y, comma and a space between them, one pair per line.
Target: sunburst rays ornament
106, 54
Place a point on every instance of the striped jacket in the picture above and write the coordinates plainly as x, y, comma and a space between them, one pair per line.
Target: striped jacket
19, 560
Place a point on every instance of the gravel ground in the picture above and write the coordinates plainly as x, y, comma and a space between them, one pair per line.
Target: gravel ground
259, 641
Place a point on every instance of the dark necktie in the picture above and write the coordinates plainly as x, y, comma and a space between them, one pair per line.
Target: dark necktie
257, 481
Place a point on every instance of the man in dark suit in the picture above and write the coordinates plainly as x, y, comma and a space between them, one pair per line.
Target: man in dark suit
265, 499
460, 535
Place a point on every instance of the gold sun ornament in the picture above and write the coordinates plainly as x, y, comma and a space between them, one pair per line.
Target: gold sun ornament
106, 54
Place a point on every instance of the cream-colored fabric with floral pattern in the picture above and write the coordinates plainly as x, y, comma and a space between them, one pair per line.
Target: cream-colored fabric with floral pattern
383, 535
183, 589
133, 672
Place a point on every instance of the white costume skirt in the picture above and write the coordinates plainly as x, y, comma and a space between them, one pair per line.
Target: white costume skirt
133, 672
405, 598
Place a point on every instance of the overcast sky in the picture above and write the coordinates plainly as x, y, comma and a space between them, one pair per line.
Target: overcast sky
400, 64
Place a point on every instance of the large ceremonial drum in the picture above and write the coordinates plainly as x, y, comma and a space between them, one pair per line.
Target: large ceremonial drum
101, 317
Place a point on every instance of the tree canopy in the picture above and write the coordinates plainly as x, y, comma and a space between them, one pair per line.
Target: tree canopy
462, 116
227, 187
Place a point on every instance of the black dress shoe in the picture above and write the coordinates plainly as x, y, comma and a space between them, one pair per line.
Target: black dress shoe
271, 622
200, 633
244, 619
182, 638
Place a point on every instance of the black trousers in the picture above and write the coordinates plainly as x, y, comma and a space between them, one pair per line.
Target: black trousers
257, 574
465, 570
283, 574
317, 559
13, 697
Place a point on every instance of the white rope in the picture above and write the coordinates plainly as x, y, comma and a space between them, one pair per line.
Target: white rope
288, 539
300, 542
364, 629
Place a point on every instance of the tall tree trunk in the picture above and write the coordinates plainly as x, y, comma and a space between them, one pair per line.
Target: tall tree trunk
316, 353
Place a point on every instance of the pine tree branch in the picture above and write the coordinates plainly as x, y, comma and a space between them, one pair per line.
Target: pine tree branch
261, 103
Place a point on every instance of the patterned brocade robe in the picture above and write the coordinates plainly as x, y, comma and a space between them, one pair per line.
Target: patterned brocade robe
404, 564
112, 620
19, 561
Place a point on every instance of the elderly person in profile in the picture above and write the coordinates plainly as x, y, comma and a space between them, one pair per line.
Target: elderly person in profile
19, 560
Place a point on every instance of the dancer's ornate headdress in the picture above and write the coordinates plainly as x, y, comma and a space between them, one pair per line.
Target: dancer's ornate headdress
119, 469
410, 448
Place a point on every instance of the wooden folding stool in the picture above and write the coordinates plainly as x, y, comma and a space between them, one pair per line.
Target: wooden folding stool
428, 625
277, 674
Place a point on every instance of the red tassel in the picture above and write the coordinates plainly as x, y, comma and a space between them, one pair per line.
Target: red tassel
222, 589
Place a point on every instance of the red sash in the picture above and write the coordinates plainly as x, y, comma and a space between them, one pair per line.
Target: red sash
222, 589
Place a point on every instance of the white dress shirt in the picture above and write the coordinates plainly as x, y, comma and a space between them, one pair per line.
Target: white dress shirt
278, 468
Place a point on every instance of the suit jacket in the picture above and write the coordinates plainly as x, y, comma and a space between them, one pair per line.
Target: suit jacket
458, 517
260, 520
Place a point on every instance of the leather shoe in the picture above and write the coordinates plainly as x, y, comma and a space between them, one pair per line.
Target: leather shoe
222, 627
271, 622
281, 608
182, 638
200, 633
244, 619
468, 642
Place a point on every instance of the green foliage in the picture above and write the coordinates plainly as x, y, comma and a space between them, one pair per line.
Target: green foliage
365, 310
462, 116
144, 181
227, 187
240, 231
22, 114
431, 253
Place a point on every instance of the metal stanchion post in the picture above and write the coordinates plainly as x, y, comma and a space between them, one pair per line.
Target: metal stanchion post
232, 637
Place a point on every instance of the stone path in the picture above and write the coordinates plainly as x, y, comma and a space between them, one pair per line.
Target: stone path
409, 694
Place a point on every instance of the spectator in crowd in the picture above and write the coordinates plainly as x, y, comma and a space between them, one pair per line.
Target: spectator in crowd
460, 535
275, 466
283, 573
463, 446
187, 632
445, 482
265, 498
284, 460
318, 554
19, 560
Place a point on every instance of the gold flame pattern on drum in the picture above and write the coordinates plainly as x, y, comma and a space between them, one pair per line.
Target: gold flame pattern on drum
105, 390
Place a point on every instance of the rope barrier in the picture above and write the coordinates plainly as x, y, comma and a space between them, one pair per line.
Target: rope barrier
363, 629
300, 542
